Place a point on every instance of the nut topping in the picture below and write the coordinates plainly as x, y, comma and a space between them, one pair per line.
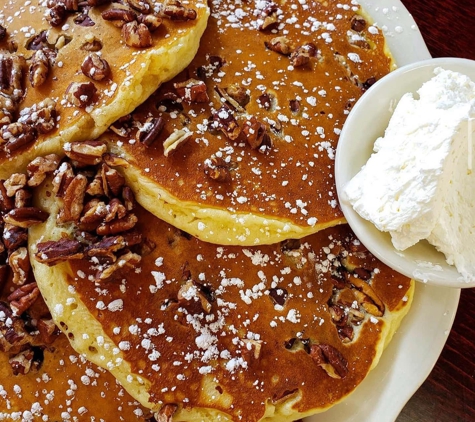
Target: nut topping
52, 252
142, 6
137, 35
23, 297
256, 134
280, 45
223, 119
148, 133
20, 265
301, 55
119, 16
25, 217
41, 116
95, 67
176, 11
192, 91
175, 140
39, 68
217, 169
81, 94
40, 167
86, 153
165, 414
329, 359
73, 200
16, 135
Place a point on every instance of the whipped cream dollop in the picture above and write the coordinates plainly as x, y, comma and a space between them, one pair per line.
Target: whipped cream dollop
419, 183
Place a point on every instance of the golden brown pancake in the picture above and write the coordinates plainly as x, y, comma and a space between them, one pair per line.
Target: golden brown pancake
239, 148
64, 386
200, 331
69, 68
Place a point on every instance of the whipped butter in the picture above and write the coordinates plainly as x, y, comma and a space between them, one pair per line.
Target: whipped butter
419, 183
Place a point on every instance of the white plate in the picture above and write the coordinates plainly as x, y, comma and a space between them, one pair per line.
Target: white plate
416, 346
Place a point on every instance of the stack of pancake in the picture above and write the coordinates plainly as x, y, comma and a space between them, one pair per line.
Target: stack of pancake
168, 191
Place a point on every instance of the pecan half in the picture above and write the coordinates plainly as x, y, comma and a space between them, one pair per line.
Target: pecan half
175, 141
269, 17
87, 153
152, 22
95, 67
23, 297
14, 183
20, 265
25, 217
40, 167
174, 10
16, 135
149, 132
329, 359
142, 6
81, 94
57, 15
137, 35
73, 199
11, 76
52, 252
107, 247
39, 68
117, 226
23, 198
129, 260
47, 330
14, 237
112, 181
119, 16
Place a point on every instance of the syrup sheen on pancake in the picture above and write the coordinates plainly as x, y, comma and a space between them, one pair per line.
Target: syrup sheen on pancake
228, 332
135, 72
283, 188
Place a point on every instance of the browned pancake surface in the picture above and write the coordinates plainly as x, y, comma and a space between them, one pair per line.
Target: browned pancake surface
302, 108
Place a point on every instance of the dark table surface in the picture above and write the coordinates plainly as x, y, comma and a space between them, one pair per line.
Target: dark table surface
448, 394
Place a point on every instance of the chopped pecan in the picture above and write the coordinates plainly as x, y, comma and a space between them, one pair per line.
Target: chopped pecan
83, 19
137, 35
294, 106
41, 116
23, 297
152, 22
301, 55
165, 414
364, 287
148, 133
192, 91
368, 83
87, 153
174, 10
93, 214
40, 167
227, 100
217, 169
39, 68
129, 260
52, 252
175, 141
239, 94
6, 202
256, 134
16, 135
92, 44
70, 5
81, 94
96, 187
281, 45
278, 296
25, 217
330, 359
128, 198
63, 177
358, 23
266, 101
112, 181
20, 265
73, 199
190, 291
47, 330
117, 226
95, 67
224, 120
22, 362
15, 182
269, 17
115, 210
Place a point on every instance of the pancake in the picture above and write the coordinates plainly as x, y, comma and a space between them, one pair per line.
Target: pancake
70, 68
239, 148
197, 331
61, 385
